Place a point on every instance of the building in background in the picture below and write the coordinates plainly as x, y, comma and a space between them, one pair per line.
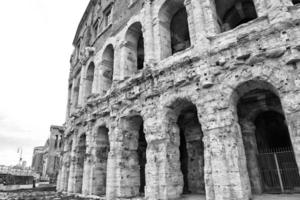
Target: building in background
46, 159
55, 148
37, 160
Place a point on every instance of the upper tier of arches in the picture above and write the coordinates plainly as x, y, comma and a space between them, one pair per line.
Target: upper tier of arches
164, 28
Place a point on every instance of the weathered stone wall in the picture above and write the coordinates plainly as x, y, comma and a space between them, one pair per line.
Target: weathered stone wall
211, 76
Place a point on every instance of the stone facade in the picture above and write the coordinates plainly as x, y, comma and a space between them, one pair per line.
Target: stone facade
168, 97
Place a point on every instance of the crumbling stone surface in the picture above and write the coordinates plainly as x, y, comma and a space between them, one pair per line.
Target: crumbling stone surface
197, 97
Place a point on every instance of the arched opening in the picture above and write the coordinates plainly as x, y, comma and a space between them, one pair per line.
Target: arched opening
76, 92
135, 146
67, 165
174, 29
100, 168
184, 120
134, 49
56, 141
61, 142
271, 163
81, 152
141, 151
107, 68
140, 53
191, 151
89, 80
232, 13
295, 1
180, 37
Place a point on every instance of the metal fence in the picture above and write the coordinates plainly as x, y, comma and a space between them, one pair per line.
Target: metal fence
279, 171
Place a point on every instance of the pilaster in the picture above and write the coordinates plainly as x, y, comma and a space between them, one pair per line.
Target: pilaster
148, 32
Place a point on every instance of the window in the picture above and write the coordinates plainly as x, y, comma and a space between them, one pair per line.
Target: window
78, 48
89, 80
96, 25
173, 28
134, 49
234, 13
60, 142
180, 38
107, 16
56, 141
107, 68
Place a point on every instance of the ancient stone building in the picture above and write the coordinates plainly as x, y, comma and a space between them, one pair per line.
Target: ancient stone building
46, 159
54, 152
184, 97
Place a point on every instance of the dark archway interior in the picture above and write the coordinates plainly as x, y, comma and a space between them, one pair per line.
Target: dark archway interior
135, 48
140, 53
89, 79
233, 13
267, 142
108, 67
271, 131
180, 37
142, 147
56, 141
80, 162
76, 92
184, 162
191, 151
81, 149
61, 142
102, 150
296, 2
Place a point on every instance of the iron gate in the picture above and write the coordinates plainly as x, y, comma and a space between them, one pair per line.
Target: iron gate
279, 171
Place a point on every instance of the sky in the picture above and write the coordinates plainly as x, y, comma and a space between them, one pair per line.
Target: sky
35, 47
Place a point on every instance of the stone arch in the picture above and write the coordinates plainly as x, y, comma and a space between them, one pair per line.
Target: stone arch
256, 103
134, 145
107, 67
256, 83
76, 91
134, 49
186, 144
79, 165
102, 148
173, 30
89, 79
232, 13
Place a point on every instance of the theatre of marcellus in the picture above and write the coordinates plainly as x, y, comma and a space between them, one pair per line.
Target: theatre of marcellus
174, 98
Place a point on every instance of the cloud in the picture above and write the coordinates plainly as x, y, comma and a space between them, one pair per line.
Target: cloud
36, 45
8, 142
